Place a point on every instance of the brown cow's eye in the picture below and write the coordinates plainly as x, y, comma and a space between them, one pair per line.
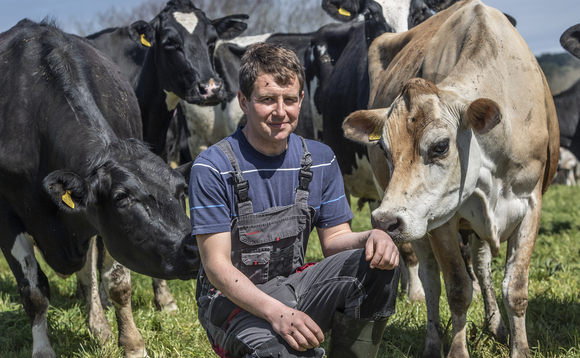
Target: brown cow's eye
439, 149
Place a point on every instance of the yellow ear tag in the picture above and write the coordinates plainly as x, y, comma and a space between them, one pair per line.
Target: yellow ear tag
145, 42
68, 200
343, 12
376, 134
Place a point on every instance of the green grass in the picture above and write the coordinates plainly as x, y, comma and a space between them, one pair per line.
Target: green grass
553, 316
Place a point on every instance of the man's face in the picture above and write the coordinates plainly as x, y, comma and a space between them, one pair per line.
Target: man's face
272, 111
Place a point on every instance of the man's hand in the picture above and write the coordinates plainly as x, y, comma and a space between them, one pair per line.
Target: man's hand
381, 251
298, 329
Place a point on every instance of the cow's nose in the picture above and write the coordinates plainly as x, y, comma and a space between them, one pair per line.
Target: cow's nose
391, 224
211, 88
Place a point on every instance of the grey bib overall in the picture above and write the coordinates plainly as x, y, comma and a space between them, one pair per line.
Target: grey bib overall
271, 243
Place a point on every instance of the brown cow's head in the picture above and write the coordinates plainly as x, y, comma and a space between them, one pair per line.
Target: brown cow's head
433, 162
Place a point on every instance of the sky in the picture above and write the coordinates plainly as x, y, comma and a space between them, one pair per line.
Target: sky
540, 22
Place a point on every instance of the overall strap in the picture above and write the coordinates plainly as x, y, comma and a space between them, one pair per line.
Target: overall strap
305, 174
241, 186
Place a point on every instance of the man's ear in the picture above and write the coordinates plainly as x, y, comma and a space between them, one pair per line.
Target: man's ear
185, 171
243, 101
143, 33
482, 115
68, 191
365, 126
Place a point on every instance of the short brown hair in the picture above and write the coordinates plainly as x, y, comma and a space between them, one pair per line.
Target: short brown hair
272, 59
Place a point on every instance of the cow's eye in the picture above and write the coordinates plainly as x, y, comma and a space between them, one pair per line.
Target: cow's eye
120, 196
170, 44
439, 149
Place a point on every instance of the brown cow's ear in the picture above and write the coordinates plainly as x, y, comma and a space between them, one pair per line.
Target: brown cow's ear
483, 114
365, 126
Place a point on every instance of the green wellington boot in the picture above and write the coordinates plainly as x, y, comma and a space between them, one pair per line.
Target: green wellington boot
354, 338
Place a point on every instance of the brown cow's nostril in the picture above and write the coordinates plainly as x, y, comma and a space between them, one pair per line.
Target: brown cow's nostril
394, 227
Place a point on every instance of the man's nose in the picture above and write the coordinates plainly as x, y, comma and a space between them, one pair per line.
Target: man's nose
280, 110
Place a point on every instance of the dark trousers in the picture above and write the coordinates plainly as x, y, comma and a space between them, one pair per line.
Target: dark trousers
343, 282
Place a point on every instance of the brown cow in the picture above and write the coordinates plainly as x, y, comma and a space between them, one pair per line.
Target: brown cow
464, 117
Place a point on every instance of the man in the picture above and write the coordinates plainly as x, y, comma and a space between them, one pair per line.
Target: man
254, 198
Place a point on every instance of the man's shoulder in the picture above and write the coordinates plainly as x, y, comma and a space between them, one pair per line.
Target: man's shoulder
321, 153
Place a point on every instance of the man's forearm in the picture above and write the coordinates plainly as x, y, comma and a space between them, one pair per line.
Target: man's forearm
243, 292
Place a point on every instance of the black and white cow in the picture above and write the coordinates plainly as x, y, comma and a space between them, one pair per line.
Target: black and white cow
568, 102
72, 169
168, 59
208, 125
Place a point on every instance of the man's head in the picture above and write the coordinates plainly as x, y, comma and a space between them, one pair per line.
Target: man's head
274, 59
271, 82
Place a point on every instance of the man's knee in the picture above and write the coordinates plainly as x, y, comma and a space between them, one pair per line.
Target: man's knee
380, 286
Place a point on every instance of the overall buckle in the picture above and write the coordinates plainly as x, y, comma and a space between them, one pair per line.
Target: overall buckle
241, 190
305, 178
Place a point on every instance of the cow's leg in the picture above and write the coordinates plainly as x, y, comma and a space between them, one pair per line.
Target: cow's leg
89, 287
164, 301
429, 273
481, 254
457, 283
464, 245
515, 283
34, 290
413, 286
117, 282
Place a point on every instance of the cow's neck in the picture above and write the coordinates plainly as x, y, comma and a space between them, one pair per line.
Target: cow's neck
155, 114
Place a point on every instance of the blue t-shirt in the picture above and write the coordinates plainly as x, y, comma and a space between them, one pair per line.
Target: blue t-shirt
272, 179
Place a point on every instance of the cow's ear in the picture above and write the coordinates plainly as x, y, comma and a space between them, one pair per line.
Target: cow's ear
230, 26
570, 40
365, 126
68, 190
342, 10
143, 33
185, 170
482, 115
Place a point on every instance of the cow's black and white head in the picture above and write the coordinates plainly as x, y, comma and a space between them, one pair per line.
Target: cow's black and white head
183, 39
397, 15
137, 201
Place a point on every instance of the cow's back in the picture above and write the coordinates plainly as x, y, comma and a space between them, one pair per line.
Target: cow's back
473, 49
76, 90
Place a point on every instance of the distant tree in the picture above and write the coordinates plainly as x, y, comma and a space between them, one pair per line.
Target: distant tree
265, 15
562, 70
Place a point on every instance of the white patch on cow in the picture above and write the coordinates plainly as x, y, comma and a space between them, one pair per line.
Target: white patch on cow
209, 124
245, 41
396, 13
187, 20
316, 116
171, 100
23, 252
361, 182
41, 344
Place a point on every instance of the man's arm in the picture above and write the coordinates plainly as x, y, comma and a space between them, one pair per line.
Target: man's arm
379, 247
296, 327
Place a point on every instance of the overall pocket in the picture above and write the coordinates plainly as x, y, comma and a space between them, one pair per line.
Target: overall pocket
255, 263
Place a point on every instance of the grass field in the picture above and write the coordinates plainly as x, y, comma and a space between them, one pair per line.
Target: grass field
553, 316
